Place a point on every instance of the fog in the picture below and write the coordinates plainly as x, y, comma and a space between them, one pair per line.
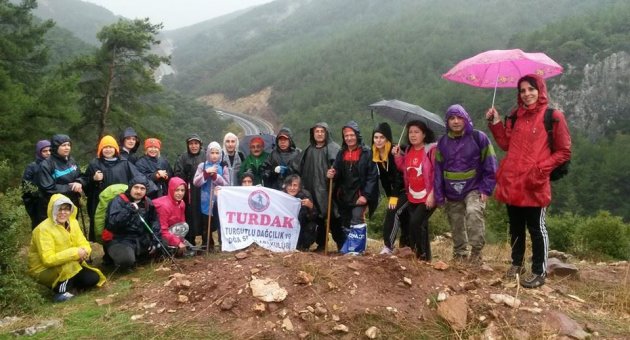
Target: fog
175, 14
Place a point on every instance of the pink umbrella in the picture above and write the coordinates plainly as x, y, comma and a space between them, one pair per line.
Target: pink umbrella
501, 68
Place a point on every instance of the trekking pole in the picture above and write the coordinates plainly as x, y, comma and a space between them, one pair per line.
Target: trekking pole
209, 230
330, 184
86, 229
170, 256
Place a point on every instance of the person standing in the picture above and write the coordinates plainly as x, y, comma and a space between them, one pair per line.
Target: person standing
355, 179
185, 168
155, 167
391, 181
317, 158
465, 166
283, 160
130, 143
58, 252
104, 170
255, 160
523, 182
416, 164
30, 193
232, 157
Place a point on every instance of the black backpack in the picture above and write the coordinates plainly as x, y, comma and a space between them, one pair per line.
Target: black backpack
562, 169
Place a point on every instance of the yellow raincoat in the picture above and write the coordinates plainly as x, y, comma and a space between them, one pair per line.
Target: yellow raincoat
53, 256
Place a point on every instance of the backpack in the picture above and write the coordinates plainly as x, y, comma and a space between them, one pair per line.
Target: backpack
103, 235
562, 169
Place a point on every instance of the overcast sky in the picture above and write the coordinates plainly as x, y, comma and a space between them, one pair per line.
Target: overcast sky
175, 13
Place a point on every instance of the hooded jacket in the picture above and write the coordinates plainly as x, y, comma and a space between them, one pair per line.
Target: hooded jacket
207, 182
235, 164
115, 171
57, 248
149, 167
463, 163
171, 211
313, 166
365, 170
123, 220
129, 155
391, 178
56, 173
523, 175
30, 173
31, 196
288, 159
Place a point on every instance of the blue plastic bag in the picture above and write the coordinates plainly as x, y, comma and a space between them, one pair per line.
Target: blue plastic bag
356, 240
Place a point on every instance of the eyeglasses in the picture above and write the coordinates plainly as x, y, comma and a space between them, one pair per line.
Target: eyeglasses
256, 146
65, 208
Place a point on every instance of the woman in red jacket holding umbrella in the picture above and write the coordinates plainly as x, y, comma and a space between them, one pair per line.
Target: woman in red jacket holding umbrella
523, 177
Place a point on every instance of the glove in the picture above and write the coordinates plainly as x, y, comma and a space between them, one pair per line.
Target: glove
281, 169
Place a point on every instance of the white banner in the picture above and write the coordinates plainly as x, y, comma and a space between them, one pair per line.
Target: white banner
265, 216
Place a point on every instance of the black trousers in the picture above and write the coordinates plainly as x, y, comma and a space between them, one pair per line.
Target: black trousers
86, 278
396, 221
532, 219
418, 228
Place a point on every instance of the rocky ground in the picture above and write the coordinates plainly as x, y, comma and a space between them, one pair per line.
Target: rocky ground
259, 294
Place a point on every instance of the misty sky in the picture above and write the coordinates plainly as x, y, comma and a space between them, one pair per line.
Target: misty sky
175, 14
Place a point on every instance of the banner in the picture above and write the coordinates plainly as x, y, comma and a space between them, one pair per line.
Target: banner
265, 216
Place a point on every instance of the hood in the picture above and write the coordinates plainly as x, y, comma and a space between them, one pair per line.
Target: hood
230, 135
173, 183
38, 148
385, 129
56, 141
139, 179
130, 132
107, 141
321, 125
285, 132
540, 84
216, 146
55, 202
459, 111
194, 136
354, 126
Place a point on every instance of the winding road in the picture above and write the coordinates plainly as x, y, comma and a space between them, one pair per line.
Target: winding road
251, 125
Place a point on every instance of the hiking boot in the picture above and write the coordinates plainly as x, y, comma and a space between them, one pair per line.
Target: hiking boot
533, 281
61, 297
511, 273
460, 258
475, 259
385, 251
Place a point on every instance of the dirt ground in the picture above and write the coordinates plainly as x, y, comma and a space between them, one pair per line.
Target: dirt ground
338, 296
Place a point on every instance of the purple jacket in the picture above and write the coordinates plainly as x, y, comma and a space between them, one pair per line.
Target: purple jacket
463, 163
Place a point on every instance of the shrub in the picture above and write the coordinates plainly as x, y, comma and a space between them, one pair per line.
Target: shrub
603, 236
562, 230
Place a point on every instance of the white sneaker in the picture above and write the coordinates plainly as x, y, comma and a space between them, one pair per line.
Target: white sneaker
385, 251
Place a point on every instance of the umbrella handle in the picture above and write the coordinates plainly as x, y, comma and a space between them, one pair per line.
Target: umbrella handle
401, 134
496, 83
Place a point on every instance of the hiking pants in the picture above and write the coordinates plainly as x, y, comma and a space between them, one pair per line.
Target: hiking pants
86, 278
418, 228
532, 218
467, 223
392, 224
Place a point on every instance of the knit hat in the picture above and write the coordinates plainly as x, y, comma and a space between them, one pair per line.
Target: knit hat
107, 141
258, 140
215, 146
152, 142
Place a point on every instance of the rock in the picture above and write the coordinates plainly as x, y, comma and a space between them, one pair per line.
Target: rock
401, 284
405, 253
163, 269
42, 326
341, 328
533, 310
287, 325
8, 320
182, 298
392, 309
267, 290
241, 255
442, 296
149, 305
619, 263
332, 286
407, 281
171, 311
492, 332
185, 284
454, 311
259, 308
254, 271
320, 311
303, 278
270, 325
563, 325
440, 265
354, 266
372, 332
105, 301
506, 299
307, 316
304, 335
137, 317
161, 310
335, 317
558, 255
227, 303
486, 268
310, 309
559, 268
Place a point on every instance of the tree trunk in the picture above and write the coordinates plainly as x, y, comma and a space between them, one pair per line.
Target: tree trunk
107, 97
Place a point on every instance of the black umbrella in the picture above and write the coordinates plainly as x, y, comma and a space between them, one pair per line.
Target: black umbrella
402, 112
270, 142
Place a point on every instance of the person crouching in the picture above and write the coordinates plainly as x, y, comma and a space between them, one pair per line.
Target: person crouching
308, 212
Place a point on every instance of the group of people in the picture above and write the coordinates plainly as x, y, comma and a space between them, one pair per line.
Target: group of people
148, 198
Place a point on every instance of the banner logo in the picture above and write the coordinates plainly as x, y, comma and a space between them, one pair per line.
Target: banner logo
258, 201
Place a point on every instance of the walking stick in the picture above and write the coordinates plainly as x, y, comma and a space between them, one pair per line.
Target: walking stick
330, 183
209, 230
159, 241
